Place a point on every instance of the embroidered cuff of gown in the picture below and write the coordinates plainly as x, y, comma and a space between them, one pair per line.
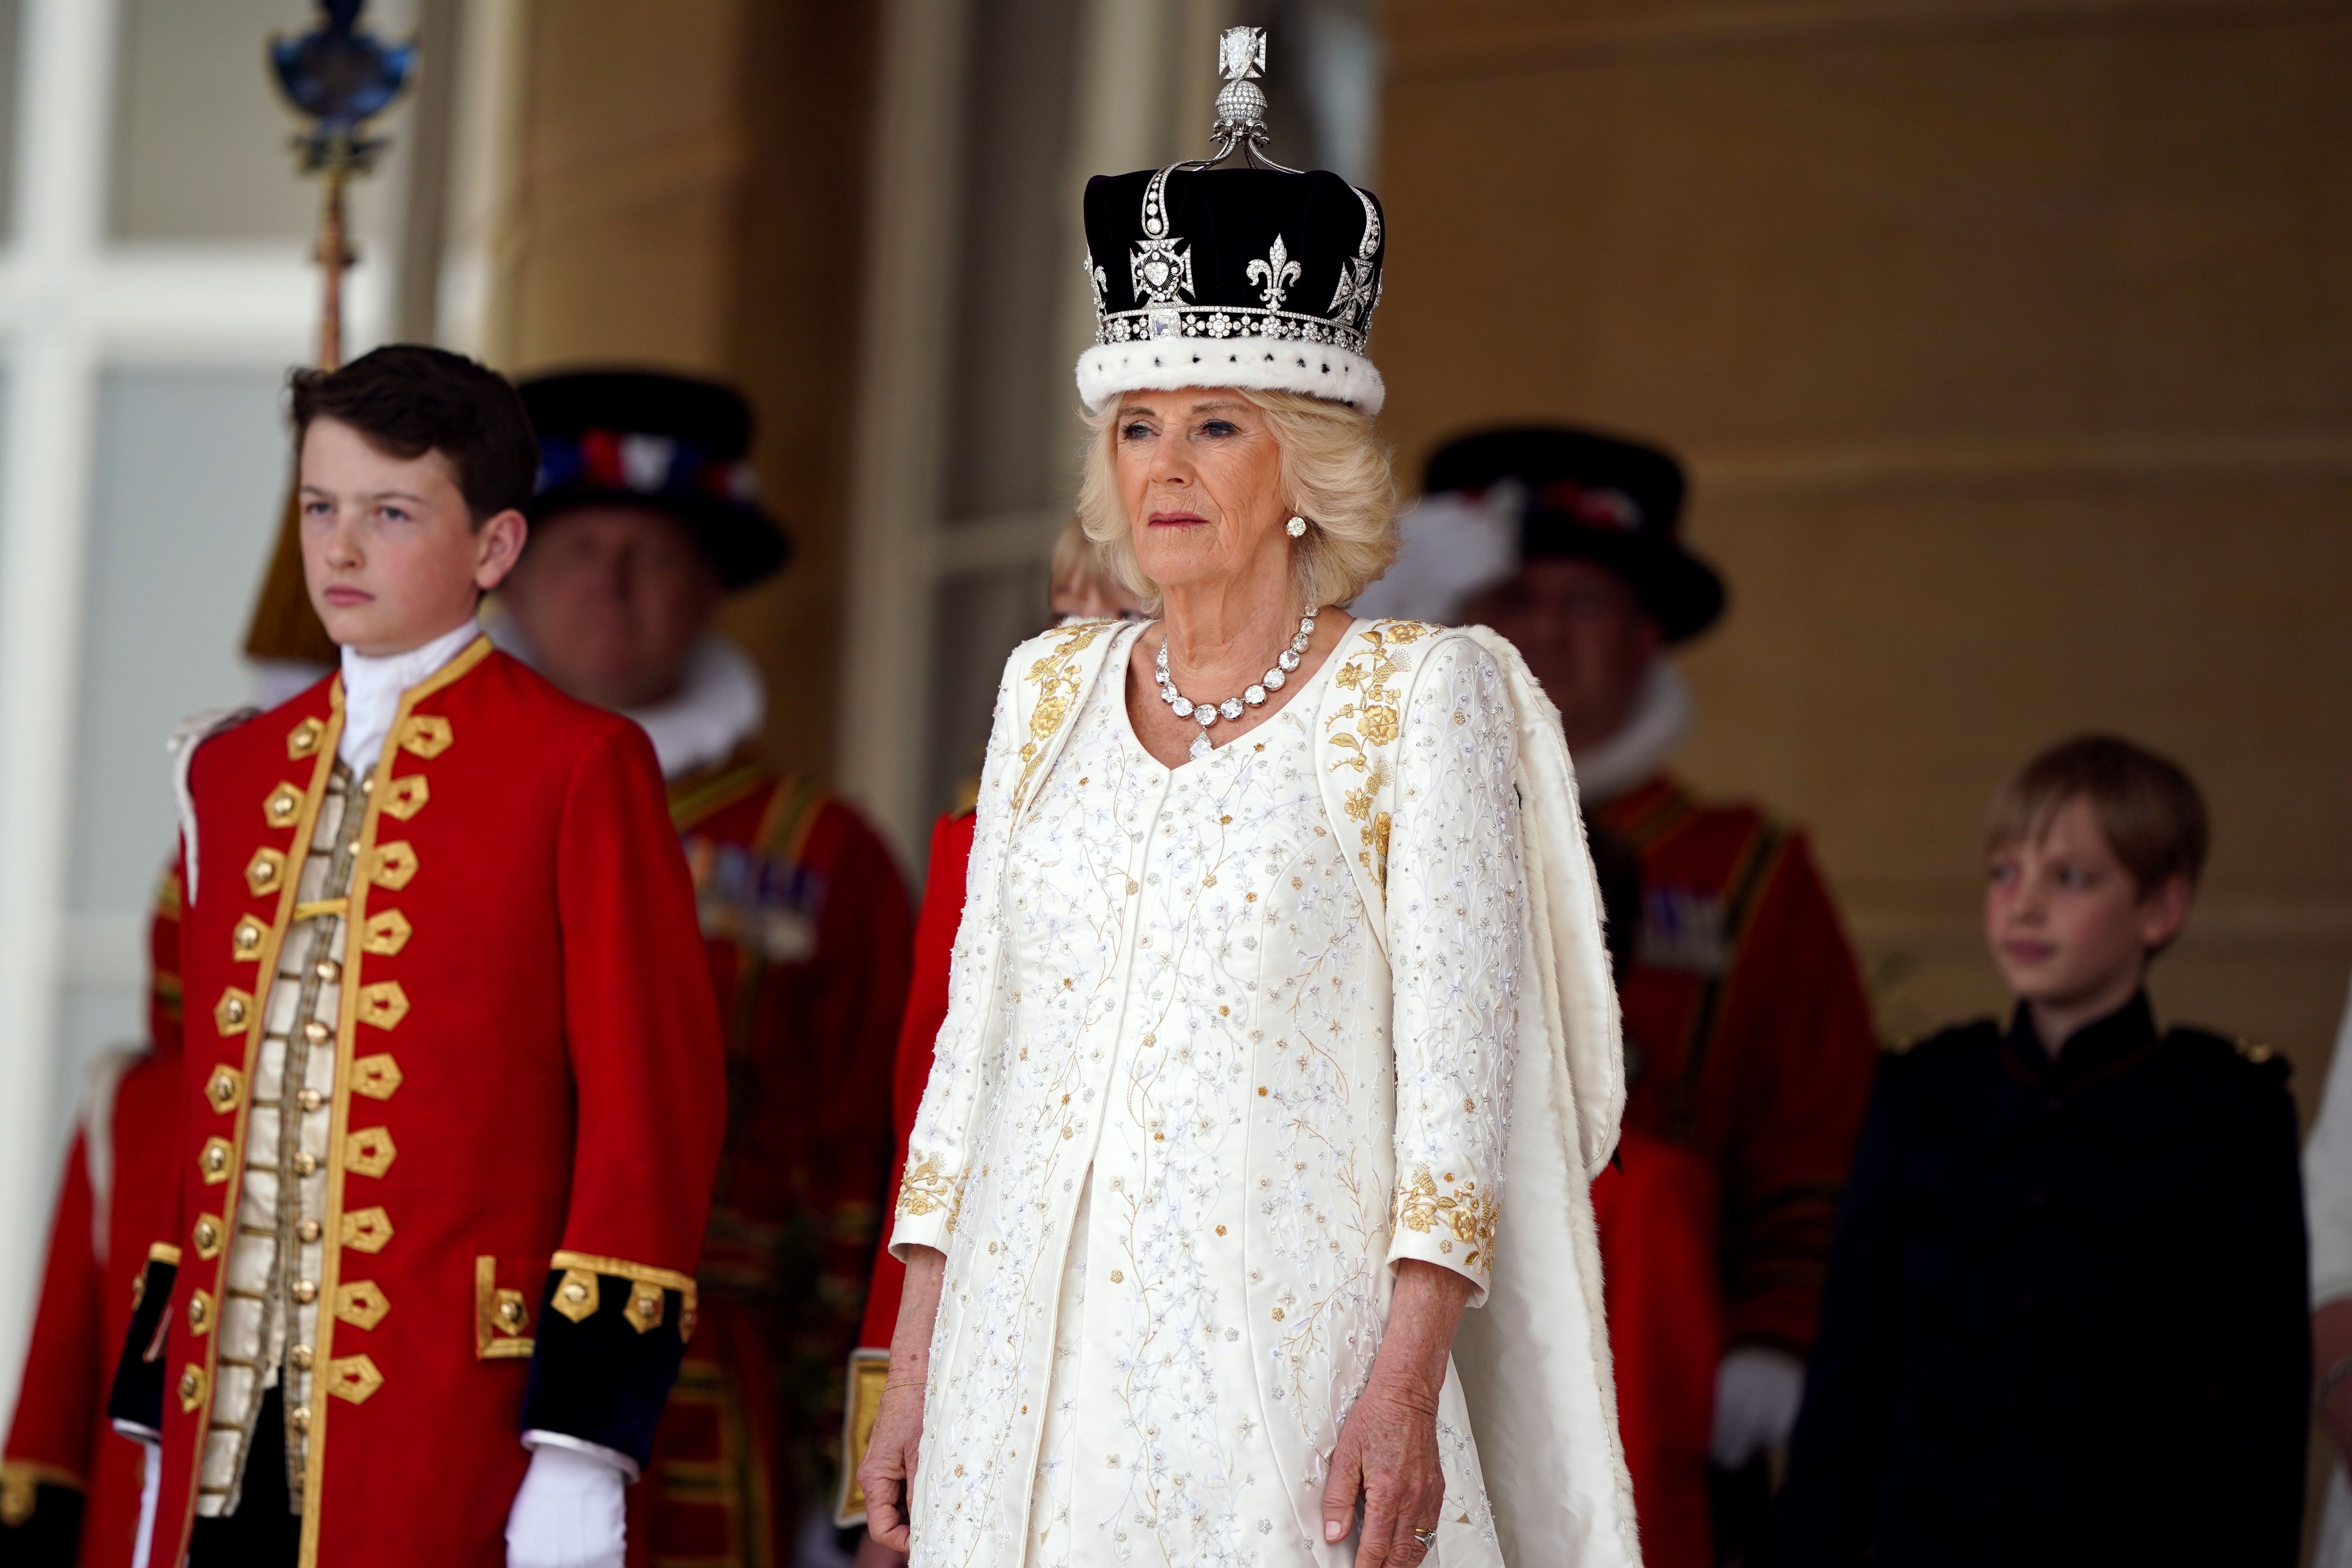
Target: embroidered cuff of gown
136, 1404
611, 1336
1446, 1218
928, 1200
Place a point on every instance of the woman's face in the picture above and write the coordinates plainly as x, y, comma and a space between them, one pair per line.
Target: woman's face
1201, 474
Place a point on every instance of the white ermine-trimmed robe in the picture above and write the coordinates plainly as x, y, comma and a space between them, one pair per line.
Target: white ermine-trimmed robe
1225, 1042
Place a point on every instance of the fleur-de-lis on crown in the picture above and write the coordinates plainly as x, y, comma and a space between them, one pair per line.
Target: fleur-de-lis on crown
1276, 272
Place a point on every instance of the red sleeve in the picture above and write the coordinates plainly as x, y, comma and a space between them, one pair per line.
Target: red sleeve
649, 1083
1808, 1081
640, 1021
67, 1366
1656, 1212
927, 1009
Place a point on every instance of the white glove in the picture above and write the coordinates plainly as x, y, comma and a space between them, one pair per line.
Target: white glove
567, 1513
1756, 1392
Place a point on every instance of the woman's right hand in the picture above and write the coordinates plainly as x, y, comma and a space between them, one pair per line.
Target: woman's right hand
889, 1467
888, 1474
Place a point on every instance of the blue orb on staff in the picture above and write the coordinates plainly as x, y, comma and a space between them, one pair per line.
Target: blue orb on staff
337, 77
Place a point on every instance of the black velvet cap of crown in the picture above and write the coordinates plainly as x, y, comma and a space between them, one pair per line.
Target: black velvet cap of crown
1223, 253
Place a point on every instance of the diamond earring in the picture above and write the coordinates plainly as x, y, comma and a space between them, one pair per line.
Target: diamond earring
1296, 527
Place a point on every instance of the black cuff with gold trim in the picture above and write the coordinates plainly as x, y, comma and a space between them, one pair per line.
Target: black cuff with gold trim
136, 1404
40, 1516
611, 1335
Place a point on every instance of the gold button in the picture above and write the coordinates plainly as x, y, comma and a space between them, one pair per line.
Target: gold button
314, 1031
233, 1010
300, 1356
191, 1381
310, 1099
199, 1310
305, 1162
306, 1290
299, 1419
511, 1313
367, 784
329, 970
216, 1156
206, 1234
308, 1231
576, 1291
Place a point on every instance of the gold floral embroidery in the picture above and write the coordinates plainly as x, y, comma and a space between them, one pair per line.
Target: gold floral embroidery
926, 1188
1055, 677
1376, 725
1467, 1212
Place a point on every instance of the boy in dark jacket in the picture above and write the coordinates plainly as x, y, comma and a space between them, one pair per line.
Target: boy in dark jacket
2064, 1317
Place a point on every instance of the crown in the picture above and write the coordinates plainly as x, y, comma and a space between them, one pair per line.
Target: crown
1255, 276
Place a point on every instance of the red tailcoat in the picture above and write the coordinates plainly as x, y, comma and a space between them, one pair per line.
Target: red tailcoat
527, 1104
110, 1206
1655, 1208
806, 923
1748, 1039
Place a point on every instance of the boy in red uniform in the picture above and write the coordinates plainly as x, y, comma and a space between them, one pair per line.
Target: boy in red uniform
449, 1118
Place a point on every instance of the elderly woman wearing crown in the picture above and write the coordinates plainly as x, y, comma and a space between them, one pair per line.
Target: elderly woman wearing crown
1245, 1215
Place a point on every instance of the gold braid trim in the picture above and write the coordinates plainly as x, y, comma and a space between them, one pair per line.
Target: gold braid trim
621, 1268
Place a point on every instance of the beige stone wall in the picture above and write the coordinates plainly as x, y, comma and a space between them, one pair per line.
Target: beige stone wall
687, 192
2010, 342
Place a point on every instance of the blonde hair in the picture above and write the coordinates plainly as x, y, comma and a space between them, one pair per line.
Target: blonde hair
1335, 474
2148, 808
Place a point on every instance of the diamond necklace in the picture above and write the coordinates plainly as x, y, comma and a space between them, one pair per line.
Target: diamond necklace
1209, 713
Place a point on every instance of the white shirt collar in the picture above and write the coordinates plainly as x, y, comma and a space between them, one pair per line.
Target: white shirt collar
372, 689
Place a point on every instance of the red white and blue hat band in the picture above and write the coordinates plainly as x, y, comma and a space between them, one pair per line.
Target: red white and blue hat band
640, 463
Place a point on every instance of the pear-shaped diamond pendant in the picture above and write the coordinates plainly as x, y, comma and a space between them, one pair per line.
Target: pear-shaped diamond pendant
1208, 713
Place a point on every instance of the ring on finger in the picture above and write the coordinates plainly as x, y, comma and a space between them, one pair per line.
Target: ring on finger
1428, 1539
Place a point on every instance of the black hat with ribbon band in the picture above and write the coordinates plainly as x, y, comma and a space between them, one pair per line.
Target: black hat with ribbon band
647, 438
1256, 277
1595, 498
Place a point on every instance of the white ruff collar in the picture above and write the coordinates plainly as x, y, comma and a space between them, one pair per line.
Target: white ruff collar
1660, 719
721, 703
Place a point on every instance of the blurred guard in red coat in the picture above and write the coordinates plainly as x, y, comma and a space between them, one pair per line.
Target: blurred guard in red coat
644, 520
1748, 1036
1655, 1208
448, 1121
69, 1488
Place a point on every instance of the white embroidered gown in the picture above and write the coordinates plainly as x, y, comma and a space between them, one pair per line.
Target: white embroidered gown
1190, 1146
